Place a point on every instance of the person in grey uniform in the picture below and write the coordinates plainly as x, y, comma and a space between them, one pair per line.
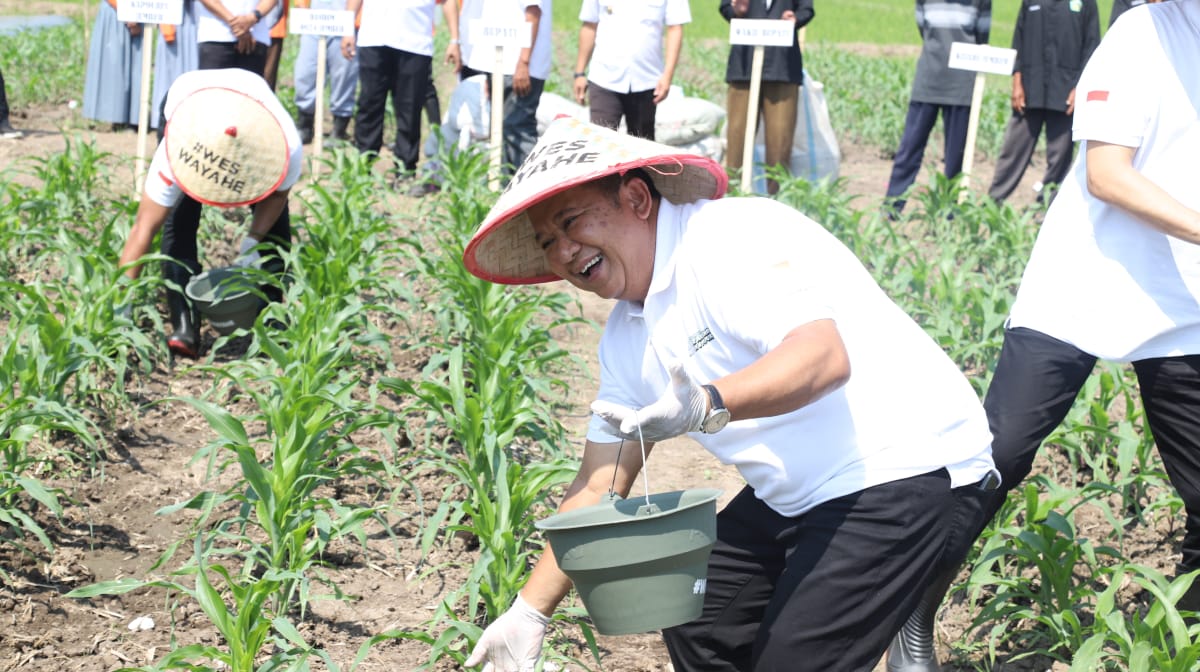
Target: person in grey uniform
938, 89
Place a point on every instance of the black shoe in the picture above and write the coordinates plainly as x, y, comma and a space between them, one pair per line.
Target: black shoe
304, 124
341, 126
421, 188
912, 649
184, 339
7, 131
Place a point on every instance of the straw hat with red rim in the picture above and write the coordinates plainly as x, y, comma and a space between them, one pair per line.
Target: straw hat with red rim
570, 153
225, 148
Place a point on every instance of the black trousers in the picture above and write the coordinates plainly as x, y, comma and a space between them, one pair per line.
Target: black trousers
1020, 140
826, 590
3, 99
404, 75
638, 108
1036, 381
918, 124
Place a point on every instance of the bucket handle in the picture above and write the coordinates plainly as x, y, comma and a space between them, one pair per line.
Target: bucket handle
648, 508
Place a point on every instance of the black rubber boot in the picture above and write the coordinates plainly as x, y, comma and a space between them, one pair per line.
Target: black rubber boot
184, 339
912, 649
304, 124
341, 128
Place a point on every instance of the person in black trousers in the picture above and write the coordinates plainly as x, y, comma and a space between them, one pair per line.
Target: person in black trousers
1053, 39
6, 129
242, 45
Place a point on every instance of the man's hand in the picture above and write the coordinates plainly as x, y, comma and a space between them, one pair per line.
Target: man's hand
1018, 97
740, 7
247, 254
514, 642
245, 44
581, 86
348, 49
662, 89
241, 24
521, 84
680, 410
123, 302
1071, 102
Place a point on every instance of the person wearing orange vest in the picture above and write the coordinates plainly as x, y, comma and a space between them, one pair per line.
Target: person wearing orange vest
275, 48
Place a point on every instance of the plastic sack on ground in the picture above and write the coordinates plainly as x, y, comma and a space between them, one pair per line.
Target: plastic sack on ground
681, 120
552, 106
712, 146
815, 151
466, 121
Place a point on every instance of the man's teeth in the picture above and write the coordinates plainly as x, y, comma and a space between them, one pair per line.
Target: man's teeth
591, 264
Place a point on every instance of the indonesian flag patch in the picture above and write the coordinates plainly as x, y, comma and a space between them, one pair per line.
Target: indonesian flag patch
1098, 96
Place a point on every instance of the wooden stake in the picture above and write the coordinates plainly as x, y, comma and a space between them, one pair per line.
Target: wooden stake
497, 139
972, 130
319, 110
144, 106
756, 69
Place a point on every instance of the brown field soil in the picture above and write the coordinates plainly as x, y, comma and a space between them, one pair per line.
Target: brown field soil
110, 528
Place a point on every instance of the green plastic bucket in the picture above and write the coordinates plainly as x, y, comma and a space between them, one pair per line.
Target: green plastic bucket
638, 567
226, 297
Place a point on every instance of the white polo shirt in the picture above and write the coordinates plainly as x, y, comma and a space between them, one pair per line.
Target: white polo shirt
732, 277
209, 28
1098, 278
628, 56
503, 13
406, 25
160, 184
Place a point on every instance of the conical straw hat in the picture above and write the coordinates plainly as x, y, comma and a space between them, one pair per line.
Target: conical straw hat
570, 153
225, 148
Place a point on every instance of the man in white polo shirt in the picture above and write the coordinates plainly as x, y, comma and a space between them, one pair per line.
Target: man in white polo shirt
394, 47
747, 326
227, 142
628, 76
525, 70
1115, 271
234, 33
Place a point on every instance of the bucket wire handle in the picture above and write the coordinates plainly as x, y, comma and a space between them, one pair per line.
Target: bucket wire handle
612, 487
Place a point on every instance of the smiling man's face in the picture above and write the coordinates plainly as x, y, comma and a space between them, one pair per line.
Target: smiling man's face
598, 240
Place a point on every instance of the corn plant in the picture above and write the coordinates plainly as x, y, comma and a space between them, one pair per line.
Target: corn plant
1035, 574
246, 625
1159, 640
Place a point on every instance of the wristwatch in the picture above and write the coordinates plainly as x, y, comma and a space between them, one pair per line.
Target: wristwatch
718, 415
257, 15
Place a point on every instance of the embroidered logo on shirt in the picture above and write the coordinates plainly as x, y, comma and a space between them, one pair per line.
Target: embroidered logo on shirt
699, 340
1099, 96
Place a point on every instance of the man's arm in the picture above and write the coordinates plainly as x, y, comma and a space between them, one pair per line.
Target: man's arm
1112, 178
348, 41
547, 584
266, 213
453, 49
671, 59
521, 84
149, 220
587, 44
803, 13
809, 363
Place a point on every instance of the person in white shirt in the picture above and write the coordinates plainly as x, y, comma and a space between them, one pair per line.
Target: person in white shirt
628, 76
234, 34
1115, 271
227, 142
394, 47
525, 69
747, 326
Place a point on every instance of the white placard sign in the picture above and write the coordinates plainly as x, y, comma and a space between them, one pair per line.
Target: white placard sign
329, 22
982, 58
515, 35
150, 11
767, 32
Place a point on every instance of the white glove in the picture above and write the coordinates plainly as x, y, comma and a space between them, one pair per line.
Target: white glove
681, 409
247, 255
513, 643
